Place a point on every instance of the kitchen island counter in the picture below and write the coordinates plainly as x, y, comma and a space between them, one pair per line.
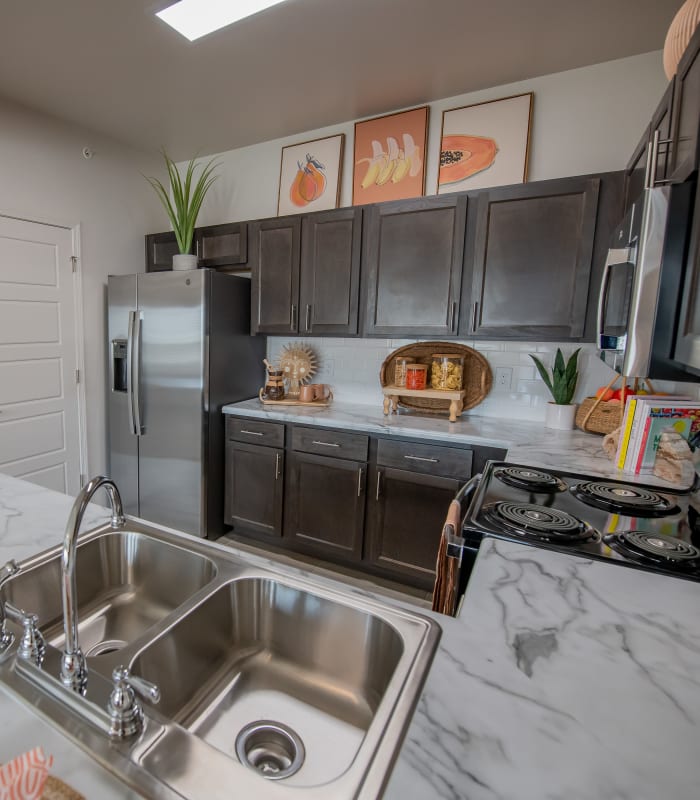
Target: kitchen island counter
562, 678
527, 442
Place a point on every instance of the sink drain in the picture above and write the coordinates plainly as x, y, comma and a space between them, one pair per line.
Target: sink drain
271, 748
104, 647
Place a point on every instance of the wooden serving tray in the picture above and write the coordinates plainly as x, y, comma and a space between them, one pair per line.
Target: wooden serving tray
476, 379
290, 402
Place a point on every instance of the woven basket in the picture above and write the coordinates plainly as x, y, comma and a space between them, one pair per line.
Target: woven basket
476, 377
596, 416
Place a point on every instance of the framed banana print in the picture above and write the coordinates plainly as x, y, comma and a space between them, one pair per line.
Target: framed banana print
310, 175
389, 157
486, 144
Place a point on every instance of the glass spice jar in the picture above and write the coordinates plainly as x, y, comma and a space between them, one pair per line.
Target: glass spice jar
400, 365
446, 371
416, 376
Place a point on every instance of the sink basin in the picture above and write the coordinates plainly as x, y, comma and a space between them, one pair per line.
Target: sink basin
262, 675
120, 593
258, 649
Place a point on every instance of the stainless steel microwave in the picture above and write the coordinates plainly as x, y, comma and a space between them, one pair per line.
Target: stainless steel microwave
640, 289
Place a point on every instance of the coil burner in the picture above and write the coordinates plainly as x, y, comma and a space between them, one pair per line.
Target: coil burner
624, 499
540, 523
530, 479
655, 549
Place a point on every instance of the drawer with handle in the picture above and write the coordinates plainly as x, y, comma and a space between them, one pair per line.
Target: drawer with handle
328, 442
253, 431
431, 459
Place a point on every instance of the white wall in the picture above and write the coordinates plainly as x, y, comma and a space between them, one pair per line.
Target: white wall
584, 120
44, 177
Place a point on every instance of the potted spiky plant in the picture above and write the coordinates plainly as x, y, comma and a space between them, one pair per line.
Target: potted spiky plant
182, 204
560, 412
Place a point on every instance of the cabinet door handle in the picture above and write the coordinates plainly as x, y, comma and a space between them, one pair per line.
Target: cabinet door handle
325, 444
379, 484
252, 433
423, 458
294, 317
360, 474
475, 314
308, 317
196, 248
453, 314
277, 465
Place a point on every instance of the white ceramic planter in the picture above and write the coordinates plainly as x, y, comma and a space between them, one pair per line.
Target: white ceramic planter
560, 417
183, 261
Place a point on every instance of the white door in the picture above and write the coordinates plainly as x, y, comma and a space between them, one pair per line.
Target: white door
39, 404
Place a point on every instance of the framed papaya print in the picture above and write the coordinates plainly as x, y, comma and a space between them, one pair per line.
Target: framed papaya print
310, 175
487, 144
389, 157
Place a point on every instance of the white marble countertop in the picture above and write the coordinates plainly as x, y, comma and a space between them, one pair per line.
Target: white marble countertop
561, 678
527, 442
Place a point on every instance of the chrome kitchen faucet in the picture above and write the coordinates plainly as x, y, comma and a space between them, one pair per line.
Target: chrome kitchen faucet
73, 666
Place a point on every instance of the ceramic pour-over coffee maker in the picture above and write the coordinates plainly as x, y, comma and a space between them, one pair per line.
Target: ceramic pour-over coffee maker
274, 385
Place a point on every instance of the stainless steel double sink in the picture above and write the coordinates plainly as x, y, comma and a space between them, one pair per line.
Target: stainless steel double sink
262, 674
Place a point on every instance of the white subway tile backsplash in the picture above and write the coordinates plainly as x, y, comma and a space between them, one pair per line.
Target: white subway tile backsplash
352, 367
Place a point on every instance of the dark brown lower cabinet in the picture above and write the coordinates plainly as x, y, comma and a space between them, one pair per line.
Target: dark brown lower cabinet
325, 505
254, 488
405, 514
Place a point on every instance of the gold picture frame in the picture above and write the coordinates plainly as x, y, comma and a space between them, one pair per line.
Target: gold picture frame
485, 144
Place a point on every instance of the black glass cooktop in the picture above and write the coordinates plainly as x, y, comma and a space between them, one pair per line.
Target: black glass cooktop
627, 523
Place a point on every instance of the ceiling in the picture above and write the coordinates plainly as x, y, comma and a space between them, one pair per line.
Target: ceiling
115, 68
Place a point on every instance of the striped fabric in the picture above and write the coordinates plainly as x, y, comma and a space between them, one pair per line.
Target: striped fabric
24, 777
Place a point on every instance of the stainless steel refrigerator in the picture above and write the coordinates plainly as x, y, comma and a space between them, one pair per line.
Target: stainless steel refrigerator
179, 349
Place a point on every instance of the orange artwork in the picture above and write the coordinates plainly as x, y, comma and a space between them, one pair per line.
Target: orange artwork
310, 175
389, 157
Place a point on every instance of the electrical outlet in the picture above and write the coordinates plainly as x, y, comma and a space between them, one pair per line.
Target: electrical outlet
503, 378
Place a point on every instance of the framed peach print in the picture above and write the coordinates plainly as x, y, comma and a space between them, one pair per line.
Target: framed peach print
310, 175
486, 144
389, 157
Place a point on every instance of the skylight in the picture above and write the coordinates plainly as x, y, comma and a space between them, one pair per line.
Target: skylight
196, 18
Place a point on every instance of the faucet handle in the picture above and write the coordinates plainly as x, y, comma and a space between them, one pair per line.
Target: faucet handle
32, 646
6, 637
125, 711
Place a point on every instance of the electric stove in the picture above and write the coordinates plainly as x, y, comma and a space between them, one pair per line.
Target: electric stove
631, 524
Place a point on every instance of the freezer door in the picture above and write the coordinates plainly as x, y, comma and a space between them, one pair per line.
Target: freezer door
171, 398
123, 443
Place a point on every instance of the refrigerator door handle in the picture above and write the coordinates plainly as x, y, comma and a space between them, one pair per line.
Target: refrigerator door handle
130, 371
136, 374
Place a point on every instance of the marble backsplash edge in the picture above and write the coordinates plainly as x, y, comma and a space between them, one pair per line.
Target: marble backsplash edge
351, 367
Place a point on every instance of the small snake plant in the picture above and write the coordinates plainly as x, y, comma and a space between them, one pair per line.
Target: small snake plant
562, 383
187, 199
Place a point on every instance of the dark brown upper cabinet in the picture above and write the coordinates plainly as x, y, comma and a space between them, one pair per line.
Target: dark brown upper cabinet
528, 260
306, 273
650, 163
686, 113
273, 258
331, 243
160, 249
222, 246
413, 252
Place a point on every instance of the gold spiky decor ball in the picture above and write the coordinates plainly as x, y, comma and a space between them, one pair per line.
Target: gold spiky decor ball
299, 364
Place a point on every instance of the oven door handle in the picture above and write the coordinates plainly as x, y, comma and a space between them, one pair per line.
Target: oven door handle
455, 541
465, 493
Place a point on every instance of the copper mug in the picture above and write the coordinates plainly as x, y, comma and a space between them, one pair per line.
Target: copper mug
306, 393
322, 391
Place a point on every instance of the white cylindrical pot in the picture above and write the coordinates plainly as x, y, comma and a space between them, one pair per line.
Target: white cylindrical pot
560, 417
184, 261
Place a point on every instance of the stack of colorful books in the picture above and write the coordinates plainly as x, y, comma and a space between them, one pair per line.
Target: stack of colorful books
645, 418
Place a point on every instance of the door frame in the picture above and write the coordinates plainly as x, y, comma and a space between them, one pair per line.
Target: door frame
78, 326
